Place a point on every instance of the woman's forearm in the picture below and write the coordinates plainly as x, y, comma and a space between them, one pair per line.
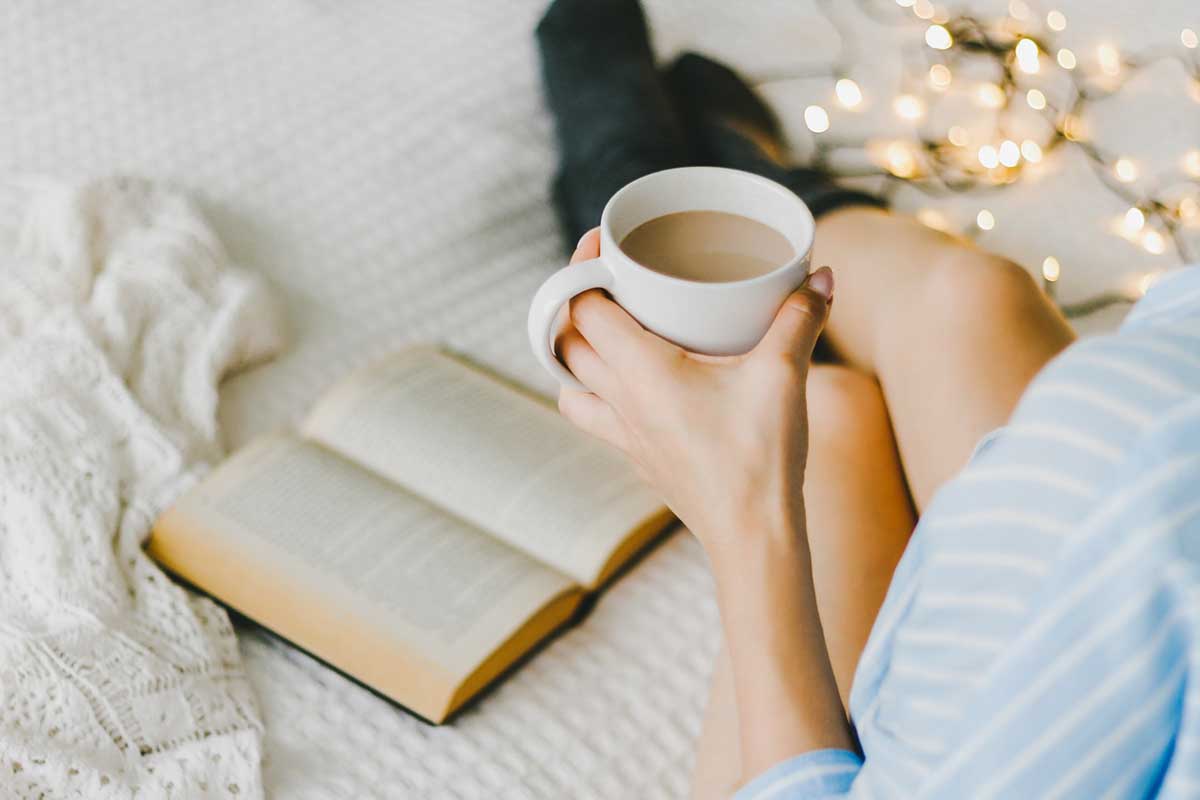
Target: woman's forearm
787, 699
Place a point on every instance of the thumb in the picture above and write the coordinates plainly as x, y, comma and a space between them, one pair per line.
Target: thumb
801, 318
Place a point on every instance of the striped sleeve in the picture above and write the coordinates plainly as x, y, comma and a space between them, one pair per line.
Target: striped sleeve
1041, 637
1092, 698
816, 775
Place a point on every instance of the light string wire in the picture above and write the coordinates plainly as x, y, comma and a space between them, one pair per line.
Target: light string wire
1012, 49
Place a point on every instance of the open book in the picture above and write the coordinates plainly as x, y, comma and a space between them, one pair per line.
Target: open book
427, 526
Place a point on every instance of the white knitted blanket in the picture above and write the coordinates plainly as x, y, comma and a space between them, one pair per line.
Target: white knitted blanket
119, 314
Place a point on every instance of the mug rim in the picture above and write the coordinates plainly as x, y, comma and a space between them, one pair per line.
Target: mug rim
786, 194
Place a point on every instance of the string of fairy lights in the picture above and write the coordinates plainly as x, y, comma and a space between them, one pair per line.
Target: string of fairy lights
988, 101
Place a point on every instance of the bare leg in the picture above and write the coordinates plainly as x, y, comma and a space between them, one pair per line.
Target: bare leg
953, 334
859, 514
859, 521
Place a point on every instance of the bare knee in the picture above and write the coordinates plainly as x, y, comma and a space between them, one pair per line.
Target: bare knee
970, 290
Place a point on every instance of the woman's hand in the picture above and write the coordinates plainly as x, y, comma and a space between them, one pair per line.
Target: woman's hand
724, 440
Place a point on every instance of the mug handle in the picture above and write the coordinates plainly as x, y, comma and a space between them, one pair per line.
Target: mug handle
558, 289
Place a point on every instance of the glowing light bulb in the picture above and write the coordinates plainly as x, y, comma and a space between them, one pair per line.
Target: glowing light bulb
848, 93
940, 77
1056, 21
1051, 269
1154, 243
924, 9
908, 107
1031, 150
1009, 154
985, 220
988, 157
1110, 60
1026, 52
932, 218
957, 136
1018, 9
1066, 59
900, 160
817, 119
989, 95
1134, 220
937, 37
1189, 38
1191, 163
1125, 170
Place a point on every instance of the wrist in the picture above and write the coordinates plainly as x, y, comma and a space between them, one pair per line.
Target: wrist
756, 540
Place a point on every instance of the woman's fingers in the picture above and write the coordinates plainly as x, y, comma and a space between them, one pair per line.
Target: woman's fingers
592, 415
612, 333
800, 319
606, 326
614, 336
584, 364
588, 247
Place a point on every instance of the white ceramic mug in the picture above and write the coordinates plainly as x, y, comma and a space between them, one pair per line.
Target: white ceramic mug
714, 318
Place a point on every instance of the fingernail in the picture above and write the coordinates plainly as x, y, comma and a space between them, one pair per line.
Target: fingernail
821, 282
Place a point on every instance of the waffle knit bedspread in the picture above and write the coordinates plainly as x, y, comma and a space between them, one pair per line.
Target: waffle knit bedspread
386, 166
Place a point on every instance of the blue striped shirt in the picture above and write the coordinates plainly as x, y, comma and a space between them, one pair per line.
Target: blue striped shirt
1041, 636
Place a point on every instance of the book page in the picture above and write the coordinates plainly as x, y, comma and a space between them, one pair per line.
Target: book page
327, 539
493, 455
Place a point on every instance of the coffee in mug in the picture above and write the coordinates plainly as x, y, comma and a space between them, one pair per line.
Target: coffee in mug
701, 256
708, 246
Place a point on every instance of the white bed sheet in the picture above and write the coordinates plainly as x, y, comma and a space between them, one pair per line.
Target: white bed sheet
387, 166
